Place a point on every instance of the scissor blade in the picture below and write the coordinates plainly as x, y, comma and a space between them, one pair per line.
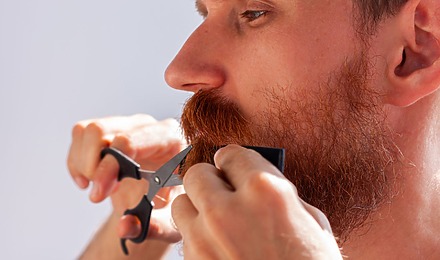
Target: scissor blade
161, 177
174, 180
168, 168
147, 175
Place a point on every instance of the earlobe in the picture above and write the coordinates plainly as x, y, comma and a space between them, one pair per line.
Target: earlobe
416, 73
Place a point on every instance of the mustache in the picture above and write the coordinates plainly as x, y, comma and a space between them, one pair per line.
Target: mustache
209, 121
210, 117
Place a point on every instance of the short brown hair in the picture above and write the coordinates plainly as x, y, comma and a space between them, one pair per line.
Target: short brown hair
371, 12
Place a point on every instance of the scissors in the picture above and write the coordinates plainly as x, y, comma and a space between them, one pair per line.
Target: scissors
165, 177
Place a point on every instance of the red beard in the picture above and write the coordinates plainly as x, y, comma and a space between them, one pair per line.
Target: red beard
339, 151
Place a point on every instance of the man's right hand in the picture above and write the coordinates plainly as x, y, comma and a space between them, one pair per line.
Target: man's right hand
150, 143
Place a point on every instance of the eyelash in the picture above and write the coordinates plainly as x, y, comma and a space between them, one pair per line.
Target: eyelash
252, 15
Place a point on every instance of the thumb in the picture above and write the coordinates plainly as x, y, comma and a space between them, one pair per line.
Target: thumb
161, 227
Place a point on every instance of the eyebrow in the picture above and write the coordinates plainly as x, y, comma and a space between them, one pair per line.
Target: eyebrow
201, 8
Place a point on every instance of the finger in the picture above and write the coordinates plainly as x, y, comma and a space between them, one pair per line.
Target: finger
106, 173
183, 213
153, 140
73, 158
204, 186
162, 226
92, 144
118, 124
81, 181
239, 164
129, 227
318, 215
128, 194
105, 178
98, 133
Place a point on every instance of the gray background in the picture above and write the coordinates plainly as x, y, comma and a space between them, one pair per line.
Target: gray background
60, 62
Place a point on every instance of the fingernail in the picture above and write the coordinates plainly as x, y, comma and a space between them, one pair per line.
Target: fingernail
81, 182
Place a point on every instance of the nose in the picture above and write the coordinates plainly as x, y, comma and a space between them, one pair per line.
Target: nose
198, 64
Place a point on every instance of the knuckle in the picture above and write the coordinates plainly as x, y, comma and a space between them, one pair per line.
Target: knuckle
190, 176
123, 142
95, 129
171, 123
222, 154
258, 182
272, 188
196, 167
237, 155
228, 151
196, 175
77, 130
147, 119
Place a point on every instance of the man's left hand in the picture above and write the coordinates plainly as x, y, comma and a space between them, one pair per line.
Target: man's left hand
244, 208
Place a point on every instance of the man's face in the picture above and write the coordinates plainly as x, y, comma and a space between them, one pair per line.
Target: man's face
290, 74
245, 47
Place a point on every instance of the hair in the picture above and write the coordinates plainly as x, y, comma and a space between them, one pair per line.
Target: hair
371, 12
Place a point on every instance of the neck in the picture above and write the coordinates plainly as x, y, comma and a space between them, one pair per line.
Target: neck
408, 227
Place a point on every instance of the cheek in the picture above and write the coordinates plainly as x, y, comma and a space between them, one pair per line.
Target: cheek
296, 54
270, 74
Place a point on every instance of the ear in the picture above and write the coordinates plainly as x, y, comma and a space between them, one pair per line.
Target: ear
414, 65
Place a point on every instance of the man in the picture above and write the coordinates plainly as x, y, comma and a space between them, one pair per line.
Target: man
348, 88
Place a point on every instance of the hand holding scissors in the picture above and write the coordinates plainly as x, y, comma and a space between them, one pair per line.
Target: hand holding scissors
165, 177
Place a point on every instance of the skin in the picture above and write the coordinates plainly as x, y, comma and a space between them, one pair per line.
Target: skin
230, 52
137, 136
244, 58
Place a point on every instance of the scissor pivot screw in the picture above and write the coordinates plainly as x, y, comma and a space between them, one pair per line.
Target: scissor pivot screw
157, 180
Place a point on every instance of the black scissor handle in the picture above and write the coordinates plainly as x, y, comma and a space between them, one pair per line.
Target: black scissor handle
127, 167
143, 212
130, 169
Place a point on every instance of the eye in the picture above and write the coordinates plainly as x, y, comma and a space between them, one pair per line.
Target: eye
252, 15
